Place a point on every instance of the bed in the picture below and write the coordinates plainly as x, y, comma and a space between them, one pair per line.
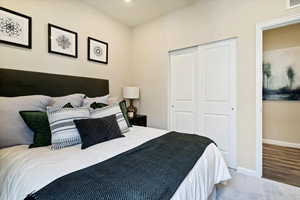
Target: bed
24, 170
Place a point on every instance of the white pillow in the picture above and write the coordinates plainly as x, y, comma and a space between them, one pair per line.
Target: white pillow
113, 109
63, 130
88, 101
13, 130
76, 100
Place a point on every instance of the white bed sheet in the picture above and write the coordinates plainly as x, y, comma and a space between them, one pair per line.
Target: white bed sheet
24, 170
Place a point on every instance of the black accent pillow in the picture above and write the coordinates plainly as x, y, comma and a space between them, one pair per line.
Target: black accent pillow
96, 105
38, 122
94, 131
123, 107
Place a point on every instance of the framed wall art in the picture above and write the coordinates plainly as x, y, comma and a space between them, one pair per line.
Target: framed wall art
281, 74
15, 28
62, 41
97, 51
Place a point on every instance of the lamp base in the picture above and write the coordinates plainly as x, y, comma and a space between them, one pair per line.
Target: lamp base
131, 110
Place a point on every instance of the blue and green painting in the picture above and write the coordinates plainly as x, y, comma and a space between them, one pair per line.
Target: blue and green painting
281, 74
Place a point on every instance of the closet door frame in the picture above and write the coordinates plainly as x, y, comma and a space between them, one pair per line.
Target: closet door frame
233, 90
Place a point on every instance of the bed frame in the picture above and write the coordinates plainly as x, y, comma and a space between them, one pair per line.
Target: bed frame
21, 83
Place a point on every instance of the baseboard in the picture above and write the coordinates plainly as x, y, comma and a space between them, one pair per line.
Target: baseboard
248, 172
281, 143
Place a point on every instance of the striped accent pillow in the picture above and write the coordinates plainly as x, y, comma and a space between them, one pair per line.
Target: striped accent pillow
111, 110
63, 130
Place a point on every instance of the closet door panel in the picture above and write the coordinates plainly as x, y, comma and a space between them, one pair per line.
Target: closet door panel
217, 73
183, 112
183, 80
215, 94
184, 122
216, 126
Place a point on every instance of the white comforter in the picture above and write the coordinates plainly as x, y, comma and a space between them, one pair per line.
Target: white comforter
24, 170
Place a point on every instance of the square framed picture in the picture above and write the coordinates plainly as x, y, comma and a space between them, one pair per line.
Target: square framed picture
15, 28
62, 41
97, 51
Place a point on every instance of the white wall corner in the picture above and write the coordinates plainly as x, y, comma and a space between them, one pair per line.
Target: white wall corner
248, 172
281, 143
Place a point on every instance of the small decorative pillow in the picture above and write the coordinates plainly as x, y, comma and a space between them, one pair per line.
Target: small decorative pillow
88, 101
75, 100
13, 130
38, 122
63, 130
94, 131
123, 107
113, 109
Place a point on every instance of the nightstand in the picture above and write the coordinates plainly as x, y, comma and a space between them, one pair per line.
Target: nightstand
139, 120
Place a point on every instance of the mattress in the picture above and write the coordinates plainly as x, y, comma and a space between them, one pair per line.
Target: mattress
24, 170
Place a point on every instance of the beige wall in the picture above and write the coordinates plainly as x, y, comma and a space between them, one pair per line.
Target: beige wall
203, 22
280, 38
281, 119
200, 23
78, 17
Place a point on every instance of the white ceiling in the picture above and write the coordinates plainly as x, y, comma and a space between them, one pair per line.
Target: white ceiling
137, 11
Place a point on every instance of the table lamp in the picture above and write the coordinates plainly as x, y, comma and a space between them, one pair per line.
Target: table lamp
131, 93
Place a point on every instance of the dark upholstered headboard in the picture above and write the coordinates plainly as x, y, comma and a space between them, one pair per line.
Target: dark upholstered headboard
21, 83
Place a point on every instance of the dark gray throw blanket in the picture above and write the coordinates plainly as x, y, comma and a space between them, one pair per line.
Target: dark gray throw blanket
151, 171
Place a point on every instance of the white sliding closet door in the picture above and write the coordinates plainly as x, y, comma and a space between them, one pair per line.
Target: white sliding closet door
202, 94
182, 108
216, 96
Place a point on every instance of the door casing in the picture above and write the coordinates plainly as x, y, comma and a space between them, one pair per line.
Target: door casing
260, 27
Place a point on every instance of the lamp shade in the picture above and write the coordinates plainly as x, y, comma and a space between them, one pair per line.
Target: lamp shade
131, 92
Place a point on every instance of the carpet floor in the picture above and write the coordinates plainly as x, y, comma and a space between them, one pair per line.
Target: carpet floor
242, 187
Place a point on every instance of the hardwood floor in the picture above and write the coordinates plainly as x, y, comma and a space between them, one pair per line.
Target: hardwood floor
281, 164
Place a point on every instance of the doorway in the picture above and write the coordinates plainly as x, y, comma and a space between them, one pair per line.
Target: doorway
278, 154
